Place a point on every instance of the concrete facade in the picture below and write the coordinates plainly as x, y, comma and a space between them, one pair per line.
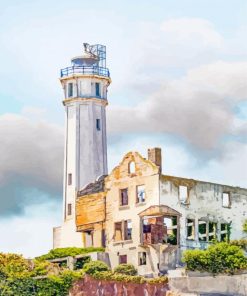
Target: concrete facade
174, 214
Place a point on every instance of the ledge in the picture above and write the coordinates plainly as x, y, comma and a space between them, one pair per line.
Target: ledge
124, 242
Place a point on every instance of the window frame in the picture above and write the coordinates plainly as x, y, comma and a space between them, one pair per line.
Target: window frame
70, 179
142, 260
69, 209
137, 198
98, 124
70, 90
121, 197
97, 89
228, 205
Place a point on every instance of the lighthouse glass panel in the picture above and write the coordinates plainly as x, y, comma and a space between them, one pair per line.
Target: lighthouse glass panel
70, 89
97, 89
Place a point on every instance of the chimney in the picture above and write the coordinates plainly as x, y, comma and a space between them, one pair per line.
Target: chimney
154, 155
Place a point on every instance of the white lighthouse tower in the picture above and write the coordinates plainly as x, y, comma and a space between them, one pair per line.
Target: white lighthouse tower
85, 85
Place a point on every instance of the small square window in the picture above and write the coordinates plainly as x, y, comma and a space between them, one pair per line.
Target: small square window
226, 202
140, 194
70, 89
69, 209
123, 259
124, 200
142, 258
69, 179
98, 124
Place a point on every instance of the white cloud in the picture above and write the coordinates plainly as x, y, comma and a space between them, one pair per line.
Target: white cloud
199, 107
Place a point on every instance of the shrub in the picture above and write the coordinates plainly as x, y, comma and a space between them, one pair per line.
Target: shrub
22, 277
93, 267
242, 243
65, 252
127, 269
218, 258
118, 277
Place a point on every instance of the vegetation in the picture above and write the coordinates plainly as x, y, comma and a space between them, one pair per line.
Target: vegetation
65, 252
94, 267
22, 277
118, 277
127, 269
242, 243
218, 258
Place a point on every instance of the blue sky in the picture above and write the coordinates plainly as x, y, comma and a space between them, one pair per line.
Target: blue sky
179, 72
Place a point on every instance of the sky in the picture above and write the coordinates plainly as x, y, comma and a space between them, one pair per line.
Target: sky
179, 82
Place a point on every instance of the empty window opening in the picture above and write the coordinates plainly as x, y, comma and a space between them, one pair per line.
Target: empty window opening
70, 179
98, 124
202, 231
97, 89
122, 259
123, 230
160, 230
190, 226
124, 197
140, 194
132, 167
88, 238
69, 209
118, 231
70, 89
224, 232
212, 231
127, 230
183, 194
171, 226
142, 258
226, 202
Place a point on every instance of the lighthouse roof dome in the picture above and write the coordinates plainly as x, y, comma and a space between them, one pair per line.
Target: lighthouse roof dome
86, 59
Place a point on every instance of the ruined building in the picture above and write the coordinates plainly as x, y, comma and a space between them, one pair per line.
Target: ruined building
140, 215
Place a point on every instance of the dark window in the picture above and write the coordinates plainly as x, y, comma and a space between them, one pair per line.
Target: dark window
97, 89
98, 124
69, 209
142, 258
122, 259
70, 90
69, 179
124, 197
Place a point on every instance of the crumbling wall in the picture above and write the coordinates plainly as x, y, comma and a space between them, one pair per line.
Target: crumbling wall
91, 287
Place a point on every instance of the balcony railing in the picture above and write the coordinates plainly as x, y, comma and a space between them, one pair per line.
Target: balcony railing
85, 70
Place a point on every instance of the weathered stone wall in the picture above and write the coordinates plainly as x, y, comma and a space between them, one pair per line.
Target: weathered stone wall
208, 285
91, 287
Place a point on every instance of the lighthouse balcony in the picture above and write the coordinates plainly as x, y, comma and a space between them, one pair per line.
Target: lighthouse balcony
84, 70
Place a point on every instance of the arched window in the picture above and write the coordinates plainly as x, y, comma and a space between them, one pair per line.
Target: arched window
132, 167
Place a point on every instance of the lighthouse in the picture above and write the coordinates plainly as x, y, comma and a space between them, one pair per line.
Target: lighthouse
84, 84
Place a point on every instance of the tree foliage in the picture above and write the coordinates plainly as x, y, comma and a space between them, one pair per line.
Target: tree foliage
218, 258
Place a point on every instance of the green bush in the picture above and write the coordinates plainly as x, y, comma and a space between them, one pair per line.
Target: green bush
127, 269
118, 277
242, 243
22, 277
65, 252
218, 258
93, 267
